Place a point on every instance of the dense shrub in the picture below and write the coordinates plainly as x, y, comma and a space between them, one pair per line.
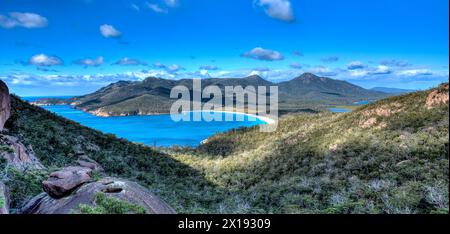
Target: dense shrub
104, 204
24, 185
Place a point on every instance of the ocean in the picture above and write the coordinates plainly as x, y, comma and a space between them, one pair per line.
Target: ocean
156, 130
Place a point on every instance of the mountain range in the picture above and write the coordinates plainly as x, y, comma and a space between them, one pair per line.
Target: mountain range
392, 90
307, 93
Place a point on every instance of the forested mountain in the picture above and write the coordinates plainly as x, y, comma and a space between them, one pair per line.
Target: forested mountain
152, 95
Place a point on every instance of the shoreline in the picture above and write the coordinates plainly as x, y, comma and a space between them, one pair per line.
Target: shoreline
265, 119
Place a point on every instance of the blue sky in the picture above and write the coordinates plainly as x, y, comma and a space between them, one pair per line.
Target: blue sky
75, 47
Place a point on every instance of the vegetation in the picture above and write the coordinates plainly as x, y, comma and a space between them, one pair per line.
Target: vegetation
104, 204
5, 149
336, 163
2, 166
55, 141
3, 163
390, 156
23, 186
350, 107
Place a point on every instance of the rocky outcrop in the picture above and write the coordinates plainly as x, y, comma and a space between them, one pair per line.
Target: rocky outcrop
117, 188
62, 183
5, 104
18, 155
85, 161
4, 199
91, 165
67, 189
438, 96
70, 187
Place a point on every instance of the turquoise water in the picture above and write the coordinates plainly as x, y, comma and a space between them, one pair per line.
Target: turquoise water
345, 110
361, 103
340, 110
158, 130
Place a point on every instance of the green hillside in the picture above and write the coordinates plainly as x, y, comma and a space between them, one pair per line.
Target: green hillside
56, 140
387, 157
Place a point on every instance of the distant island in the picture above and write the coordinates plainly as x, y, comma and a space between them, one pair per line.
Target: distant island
392, 90
306, 93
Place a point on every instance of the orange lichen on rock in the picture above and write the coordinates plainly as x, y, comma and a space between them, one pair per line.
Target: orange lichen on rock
437, 97
383, 111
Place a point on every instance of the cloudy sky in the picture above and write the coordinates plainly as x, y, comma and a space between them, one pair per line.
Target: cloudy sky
74, 47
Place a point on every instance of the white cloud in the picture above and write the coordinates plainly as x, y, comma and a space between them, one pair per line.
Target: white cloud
415, 72
367, 71
380, 70
296, 66
330, 59
356, 65
208, 67
135, 7
88, 62
130, 62
395, 63
261, 69
358, 73
323, 71
204, 72
25, 20
45, 60
255, 73
159, 65
263, 54
174, 68
142, 75
268, 74
278, 9
156, 8
66, 80
171, 3
20, 80
381, 75
109, 31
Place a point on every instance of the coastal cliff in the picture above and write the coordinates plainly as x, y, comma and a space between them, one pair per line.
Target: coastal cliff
5, 105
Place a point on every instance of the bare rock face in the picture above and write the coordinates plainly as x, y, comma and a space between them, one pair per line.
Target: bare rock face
438, 96
5, 104
62, 183
18, 155
116, 188
4, 199
85, 161
91, 165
